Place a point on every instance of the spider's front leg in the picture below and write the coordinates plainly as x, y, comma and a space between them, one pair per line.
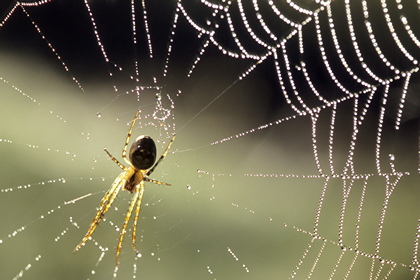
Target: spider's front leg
138, 195
106, 203
139, 188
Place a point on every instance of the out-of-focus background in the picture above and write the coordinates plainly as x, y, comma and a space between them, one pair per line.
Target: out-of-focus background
253, 193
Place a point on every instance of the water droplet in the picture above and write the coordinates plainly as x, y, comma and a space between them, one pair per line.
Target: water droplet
98, 114
188, 187
158, 96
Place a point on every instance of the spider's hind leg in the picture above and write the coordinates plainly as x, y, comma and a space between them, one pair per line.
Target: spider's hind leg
162, 156
124, 153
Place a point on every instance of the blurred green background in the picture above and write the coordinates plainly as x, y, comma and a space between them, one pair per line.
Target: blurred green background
218, 220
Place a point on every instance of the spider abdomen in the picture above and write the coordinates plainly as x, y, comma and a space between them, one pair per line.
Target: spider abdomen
143, 152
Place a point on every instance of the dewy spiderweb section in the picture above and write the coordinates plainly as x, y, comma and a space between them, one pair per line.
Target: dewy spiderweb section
348, 69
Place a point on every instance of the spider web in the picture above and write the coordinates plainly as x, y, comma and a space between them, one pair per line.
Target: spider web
297, 149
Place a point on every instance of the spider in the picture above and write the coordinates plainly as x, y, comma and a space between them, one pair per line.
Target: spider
141, 164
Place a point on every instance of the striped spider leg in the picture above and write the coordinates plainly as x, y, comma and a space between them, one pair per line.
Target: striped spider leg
142, 157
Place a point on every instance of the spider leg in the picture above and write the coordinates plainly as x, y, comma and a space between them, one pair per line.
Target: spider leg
115, 160
136, 217
161, 157
124, 153
106, 202
155, 181
135, 198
